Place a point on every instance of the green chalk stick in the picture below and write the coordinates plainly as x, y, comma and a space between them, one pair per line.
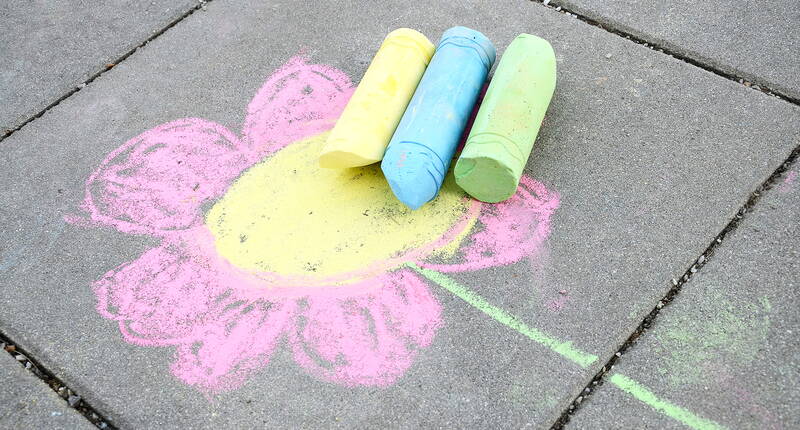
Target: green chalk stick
508, 121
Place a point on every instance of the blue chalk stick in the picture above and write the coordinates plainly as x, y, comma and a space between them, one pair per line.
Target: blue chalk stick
423, 144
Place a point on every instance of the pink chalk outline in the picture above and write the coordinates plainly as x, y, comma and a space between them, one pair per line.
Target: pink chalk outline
226, 322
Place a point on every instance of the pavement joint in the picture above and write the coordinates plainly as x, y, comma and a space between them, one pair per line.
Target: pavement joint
571, 353
201, 5
73, 399
677, 285
754, 84
606, 372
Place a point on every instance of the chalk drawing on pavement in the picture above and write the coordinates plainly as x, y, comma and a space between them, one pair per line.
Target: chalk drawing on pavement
260, 248
225, 302
732, 333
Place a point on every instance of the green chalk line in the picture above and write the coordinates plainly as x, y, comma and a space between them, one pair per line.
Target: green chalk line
564, 348
647, 397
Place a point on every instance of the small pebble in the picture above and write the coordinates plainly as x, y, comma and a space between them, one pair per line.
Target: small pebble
608, 55
674, 282
562, 292
693, 269
73, 400
660, 305
701, 259
546, 2
21, 357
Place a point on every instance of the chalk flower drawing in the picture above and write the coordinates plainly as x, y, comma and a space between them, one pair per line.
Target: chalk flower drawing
259, 247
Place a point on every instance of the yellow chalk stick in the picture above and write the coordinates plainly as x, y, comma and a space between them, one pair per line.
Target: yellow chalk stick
368, 121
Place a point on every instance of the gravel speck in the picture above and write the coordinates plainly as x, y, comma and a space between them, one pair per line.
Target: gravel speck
73, 400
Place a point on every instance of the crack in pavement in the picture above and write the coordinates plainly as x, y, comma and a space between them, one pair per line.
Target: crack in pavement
677, 285
201, 4
754, 84
22, 356
73, 399
96, 418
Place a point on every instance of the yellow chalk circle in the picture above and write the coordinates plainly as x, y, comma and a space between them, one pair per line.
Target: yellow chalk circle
365, 127
288, 216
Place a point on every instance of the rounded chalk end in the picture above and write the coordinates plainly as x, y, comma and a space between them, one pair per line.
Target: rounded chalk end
537, 47
414, 180
485, 179
486, 48
414, 38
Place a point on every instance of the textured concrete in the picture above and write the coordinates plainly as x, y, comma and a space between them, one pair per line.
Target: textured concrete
48, 47
27, 403
651, 158
754, 40
726, 348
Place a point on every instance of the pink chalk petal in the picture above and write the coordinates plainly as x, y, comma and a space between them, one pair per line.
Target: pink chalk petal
228, 353
299, 100
159, 179
508, 231
368, 339
165, 297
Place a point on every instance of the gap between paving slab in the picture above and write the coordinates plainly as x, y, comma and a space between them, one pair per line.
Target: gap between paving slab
729, 78
74, 400
30, 363
755, 239
26, 402
708, 253
200, 5
661, 47
678, 283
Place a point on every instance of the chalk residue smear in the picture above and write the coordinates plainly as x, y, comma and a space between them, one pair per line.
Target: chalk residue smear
289, 253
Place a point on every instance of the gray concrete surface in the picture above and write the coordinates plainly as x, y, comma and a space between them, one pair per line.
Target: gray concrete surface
27, 403
726, 348
50, 47
651, 158
753, 40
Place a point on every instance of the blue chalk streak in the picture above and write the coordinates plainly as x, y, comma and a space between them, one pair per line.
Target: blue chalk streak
422, 147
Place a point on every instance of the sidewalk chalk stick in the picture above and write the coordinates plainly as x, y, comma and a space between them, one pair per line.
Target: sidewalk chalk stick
365, 127
508, 120
420, 152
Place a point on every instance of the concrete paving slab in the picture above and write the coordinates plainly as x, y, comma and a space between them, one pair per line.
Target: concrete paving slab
726, 347
27, 403
749, 39
50, 47
641, 161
